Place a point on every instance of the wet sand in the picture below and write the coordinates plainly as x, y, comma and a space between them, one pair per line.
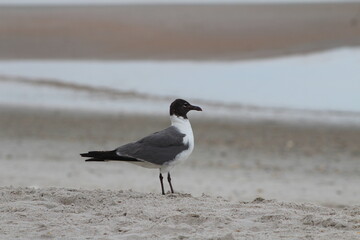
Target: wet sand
307, 174
235, 159
183, 32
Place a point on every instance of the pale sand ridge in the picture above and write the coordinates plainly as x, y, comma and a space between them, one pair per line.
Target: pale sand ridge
180, 31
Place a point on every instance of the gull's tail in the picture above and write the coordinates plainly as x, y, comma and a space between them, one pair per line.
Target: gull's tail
104, 156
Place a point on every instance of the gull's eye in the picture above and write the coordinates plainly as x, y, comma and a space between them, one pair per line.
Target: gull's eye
185, 104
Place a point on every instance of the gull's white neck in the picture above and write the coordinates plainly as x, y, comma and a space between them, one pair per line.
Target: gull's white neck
182, 124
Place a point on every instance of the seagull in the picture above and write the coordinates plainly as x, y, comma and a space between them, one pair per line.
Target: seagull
162, 150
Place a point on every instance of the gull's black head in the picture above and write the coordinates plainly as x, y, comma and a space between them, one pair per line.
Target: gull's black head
180, 108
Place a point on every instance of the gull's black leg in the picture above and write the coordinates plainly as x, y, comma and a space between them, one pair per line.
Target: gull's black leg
169, 180
162, 184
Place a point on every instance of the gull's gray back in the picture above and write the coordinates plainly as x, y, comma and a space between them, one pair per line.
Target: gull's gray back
157, 148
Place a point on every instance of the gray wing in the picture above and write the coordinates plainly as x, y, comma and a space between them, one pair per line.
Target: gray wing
157, 148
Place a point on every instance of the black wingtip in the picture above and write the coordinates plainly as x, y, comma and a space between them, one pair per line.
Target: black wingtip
94, 160
104, 156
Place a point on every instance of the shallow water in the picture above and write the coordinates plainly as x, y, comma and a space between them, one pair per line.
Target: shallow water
321, 81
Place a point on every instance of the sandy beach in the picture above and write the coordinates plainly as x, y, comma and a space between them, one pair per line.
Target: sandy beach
176, 31
57, 213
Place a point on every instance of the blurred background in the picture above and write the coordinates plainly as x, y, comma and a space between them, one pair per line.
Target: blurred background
279, 82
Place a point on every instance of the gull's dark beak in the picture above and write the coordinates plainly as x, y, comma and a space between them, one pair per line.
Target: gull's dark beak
196, 108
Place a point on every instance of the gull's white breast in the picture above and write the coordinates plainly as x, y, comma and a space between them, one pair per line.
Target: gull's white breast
184, 126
